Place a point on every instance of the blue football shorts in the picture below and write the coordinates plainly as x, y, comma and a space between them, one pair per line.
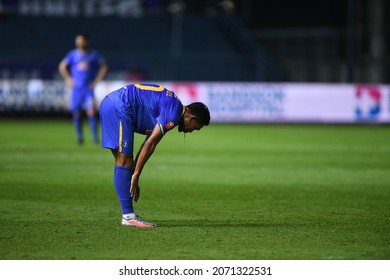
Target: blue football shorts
81, 99
117, 128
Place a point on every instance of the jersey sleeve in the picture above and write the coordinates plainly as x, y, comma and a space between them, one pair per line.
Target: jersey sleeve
68, 58
170, 116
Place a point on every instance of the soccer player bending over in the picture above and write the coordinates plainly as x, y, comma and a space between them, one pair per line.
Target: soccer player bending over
147, 109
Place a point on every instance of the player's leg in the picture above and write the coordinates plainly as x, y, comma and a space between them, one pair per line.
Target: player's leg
124, 166
122, 182
78, 126
117, 135
75, 108
91, 114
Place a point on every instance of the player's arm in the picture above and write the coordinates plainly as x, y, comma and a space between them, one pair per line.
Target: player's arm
144, 154
63, 69
148, 133
103, 70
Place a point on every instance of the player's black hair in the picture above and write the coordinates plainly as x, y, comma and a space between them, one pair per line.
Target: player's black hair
201, 111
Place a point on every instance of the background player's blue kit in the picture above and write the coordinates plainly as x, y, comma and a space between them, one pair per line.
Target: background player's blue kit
83, 67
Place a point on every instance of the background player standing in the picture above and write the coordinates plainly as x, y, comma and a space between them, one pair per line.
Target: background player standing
147, 109
82, 69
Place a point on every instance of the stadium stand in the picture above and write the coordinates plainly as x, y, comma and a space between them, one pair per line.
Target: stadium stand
163, 46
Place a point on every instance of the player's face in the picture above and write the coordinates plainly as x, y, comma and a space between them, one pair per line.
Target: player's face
189, 125
81, 42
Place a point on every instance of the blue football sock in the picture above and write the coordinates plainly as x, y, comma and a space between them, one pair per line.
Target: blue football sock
122, 181
93, 125
77, 123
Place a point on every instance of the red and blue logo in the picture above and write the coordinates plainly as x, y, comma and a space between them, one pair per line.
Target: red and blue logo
368, 103
169, 125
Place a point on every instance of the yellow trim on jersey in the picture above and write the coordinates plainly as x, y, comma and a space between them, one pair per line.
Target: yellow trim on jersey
120, 136
152, 88
161, 128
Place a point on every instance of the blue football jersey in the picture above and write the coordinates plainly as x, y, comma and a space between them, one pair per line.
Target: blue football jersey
147, 105
84, 66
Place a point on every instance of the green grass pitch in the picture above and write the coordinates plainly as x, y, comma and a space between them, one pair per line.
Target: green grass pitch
227, 192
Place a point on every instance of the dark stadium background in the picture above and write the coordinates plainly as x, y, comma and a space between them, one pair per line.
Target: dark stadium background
290, 41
